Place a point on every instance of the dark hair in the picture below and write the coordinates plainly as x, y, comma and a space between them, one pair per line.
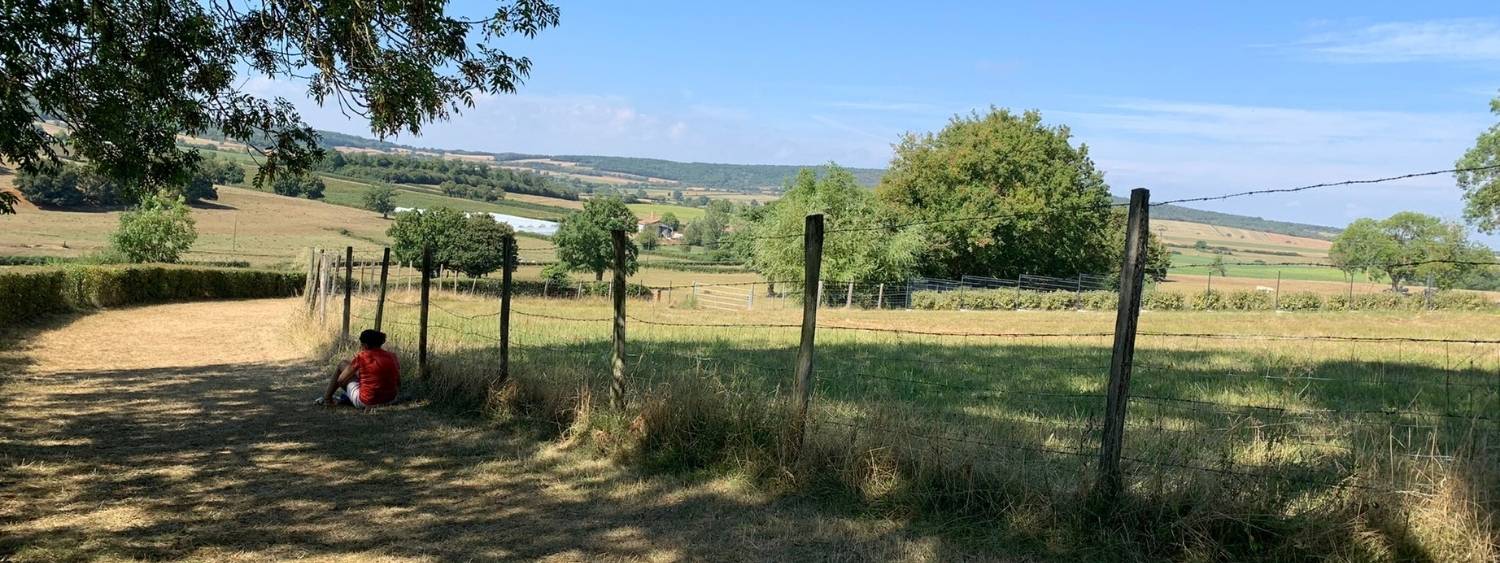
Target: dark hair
372, 338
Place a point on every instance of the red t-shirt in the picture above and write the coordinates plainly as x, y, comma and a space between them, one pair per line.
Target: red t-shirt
379, 376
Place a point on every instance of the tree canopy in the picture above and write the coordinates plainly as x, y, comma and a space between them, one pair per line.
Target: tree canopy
1482, 187
127, 76
866, 254
438, 227
1403, 247
1005, 195
479, 248
158, 230
380, 198
583, 240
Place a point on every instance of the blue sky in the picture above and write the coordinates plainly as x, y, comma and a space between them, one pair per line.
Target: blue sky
1183, 98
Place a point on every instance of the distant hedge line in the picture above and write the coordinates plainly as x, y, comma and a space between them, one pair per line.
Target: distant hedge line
28, 293
1007, 299
538, 288
86, 260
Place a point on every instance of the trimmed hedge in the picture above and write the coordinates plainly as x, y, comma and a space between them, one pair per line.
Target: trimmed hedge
27, 294
1012, 299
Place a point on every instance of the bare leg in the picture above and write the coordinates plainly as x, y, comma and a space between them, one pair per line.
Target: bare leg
333, 384
334, 379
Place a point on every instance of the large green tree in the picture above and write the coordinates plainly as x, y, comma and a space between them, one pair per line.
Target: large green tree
126, 76
479, 247
380, 198
1482, 187
1003, 194
857, 246
584, 242
439, 228
1407, 247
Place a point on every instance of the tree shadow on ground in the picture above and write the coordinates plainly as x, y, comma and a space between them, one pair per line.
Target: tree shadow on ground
221, 460
1313, 423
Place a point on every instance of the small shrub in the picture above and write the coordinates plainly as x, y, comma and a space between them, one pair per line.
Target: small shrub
1208, 300
1337, 302
1384, 301
1163, 301
159, 230
1301, 301
1099, 300
1461, 301
1058, 301
1245, 300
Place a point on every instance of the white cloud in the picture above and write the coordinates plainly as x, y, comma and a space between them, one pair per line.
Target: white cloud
611, 125
1393, 42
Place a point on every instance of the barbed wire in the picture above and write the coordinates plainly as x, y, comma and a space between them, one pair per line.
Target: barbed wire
1316, 337
1391, 265
1325, 185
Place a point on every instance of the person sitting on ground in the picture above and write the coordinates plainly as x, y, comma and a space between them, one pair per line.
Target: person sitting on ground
372, 378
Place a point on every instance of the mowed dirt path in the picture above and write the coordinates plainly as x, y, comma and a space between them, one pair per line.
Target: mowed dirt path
186, 432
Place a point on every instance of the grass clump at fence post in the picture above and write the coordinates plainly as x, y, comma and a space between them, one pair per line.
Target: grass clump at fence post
27, 294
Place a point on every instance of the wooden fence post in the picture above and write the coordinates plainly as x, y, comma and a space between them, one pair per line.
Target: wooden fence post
422, 366
1132, 277
308, 296
617, 293
1276, 306
509, 247
849, 296
323, 288
880, 297
385, 265
812, 289
750, 298
348, 289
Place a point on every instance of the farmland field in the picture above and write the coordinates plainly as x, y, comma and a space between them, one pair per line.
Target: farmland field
1252, 402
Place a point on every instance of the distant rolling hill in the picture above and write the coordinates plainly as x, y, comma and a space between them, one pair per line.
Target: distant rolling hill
613, 170
1246, 222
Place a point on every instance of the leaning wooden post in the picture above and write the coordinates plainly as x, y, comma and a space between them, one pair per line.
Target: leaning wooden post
422, 366
1132, 277
509, 249
1277, 305
849, 296
812, 285
880, 297
323, 288
308, 295
617, 293
348, 289
385, 266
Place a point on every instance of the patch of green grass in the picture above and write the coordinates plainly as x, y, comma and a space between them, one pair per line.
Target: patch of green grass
350, 193
1181, 264
1005, 431
682, 212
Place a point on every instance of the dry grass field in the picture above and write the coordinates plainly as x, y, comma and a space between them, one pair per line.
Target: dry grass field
258, 227
149, 449
993, 417
1182, 232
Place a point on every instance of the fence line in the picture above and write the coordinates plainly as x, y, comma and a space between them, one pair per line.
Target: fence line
1082, 400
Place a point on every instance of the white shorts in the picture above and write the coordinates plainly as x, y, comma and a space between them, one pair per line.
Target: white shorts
351, 392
